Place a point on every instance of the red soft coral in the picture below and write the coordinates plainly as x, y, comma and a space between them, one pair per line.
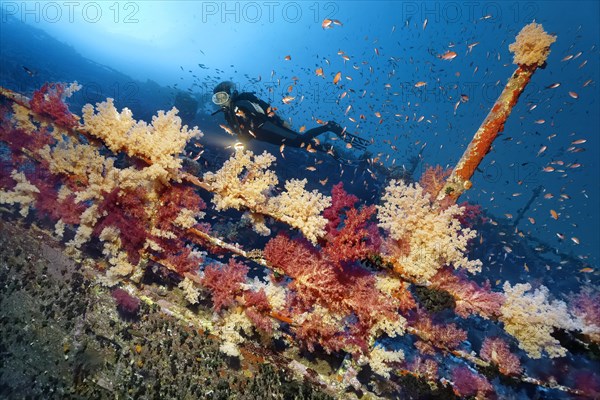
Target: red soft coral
364, 300
472, 215
19, 139
177, 256
6, 181
445, 336
49, 102
258, 309
47, 201
340, 200
586, 305
470, 298
172, 200
425, 367
315, 330
356, 239
314, 279
350, 293
125, 210
433, 180
224, 282
468, 383
496, 351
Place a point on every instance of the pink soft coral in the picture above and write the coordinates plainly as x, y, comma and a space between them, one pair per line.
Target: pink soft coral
340, 200
586, 306
433, 179
348, 292
172, 200
49, 102
496, 351
445, 336
19, 139
425, 367
174, 252
470, 298
125, 210
468, 383
224, 282
258, 309
47, 202
356, 239
314, 279
179, 257
472, 215
315, 330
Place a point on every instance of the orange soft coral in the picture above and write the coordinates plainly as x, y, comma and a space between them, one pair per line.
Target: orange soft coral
532, 45
433, 179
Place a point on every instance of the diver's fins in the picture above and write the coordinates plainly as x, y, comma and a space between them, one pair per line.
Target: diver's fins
355, 141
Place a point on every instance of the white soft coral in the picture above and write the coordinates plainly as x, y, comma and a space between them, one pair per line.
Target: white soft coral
429, 238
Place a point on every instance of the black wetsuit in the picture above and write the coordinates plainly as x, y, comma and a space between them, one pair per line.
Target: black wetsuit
248, 116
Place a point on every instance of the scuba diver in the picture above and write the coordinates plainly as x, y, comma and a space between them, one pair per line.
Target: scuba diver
252, 118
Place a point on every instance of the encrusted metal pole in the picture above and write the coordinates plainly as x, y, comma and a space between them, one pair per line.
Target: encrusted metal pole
530, 50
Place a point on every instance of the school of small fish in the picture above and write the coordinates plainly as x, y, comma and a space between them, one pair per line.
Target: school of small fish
382, 90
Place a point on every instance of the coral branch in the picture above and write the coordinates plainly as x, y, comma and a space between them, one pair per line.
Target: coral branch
531, 50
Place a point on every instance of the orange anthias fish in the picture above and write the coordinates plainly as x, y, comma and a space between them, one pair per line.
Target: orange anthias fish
226, 129
337, 78
319, 72
327, 23
449, 55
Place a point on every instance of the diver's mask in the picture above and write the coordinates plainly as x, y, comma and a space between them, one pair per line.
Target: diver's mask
220, 98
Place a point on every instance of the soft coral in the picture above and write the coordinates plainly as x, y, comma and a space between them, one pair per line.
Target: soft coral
340, 200
49, 102
355, 237
224, 282
125, 210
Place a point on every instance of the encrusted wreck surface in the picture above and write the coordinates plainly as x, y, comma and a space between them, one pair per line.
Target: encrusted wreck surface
62, 336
